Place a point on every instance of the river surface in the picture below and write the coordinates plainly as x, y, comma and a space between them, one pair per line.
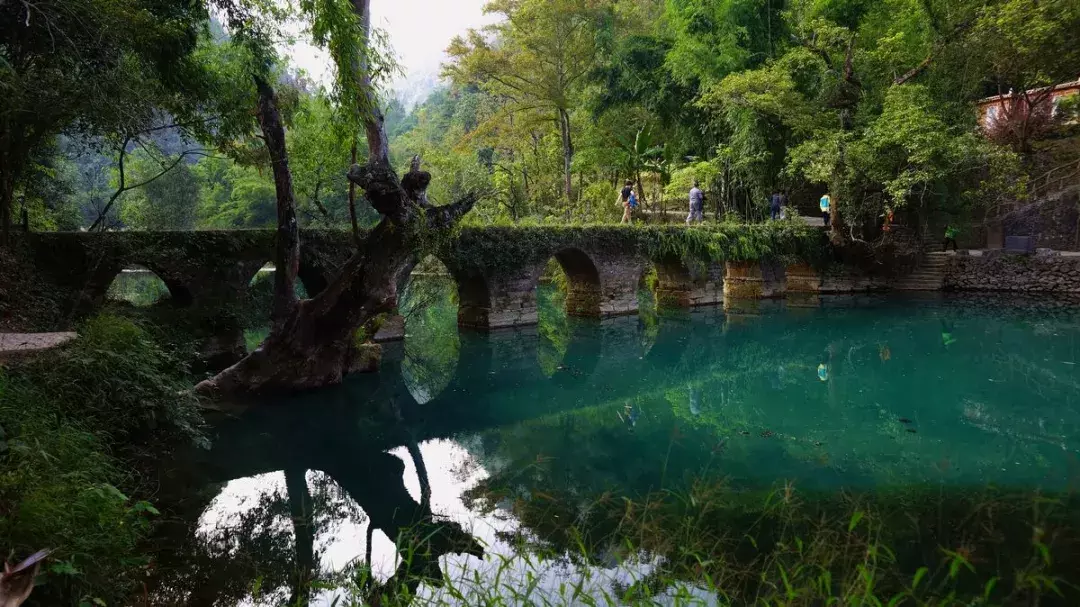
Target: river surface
505, 441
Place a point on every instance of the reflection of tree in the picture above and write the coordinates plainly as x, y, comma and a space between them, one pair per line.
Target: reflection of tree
272, 547
267, 549
429, 305
553, 326
704, 414
301, 512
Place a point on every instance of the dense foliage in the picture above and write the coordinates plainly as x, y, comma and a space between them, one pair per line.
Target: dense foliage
74, 426
552, 108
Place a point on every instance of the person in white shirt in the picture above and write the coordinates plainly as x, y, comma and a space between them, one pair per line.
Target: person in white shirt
697, 205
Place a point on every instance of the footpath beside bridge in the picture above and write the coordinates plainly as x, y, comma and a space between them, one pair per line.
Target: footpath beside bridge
208, 273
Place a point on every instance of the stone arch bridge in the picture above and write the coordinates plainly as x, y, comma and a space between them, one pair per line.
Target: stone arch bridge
496, 269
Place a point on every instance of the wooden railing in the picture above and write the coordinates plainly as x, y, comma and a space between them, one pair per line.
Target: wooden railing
1055, 180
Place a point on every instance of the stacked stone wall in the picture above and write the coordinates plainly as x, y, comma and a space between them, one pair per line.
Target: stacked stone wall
1001, 271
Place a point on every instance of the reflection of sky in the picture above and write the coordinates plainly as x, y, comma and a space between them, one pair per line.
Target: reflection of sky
452, 470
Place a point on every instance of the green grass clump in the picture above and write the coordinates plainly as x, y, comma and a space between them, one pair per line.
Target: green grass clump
78, 423
716, 546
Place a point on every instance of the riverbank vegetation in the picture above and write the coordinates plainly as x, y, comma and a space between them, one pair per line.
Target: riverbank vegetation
82, 428
784, 547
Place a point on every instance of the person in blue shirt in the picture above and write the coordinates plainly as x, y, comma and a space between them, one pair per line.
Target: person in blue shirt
826, 207
626, 195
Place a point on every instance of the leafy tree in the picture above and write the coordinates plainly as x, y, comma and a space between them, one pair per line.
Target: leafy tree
169, 202
537, 59
637, 75
320, 150
50, 191
234, 195
712, 38
97, 66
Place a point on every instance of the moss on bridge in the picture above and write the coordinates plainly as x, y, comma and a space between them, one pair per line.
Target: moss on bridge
493, 250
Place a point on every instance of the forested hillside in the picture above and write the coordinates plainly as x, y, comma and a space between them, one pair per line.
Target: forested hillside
549, 111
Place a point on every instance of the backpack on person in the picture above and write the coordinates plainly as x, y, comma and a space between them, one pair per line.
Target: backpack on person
633, 200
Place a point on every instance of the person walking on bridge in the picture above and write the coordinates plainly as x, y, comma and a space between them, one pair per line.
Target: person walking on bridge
624, 198
776, 204
697, 205
826, 206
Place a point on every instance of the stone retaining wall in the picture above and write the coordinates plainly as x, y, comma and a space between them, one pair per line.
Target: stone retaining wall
1000, 271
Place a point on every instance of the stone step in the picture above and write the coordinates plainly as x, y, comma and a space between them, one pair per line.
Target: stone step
15, 345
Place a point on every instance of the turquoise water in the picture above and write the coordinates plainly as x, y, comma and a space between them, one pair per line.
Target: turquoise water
496, 436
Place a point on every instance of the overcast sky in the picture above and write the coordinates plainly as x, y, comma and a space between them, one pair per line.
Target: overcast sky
420, 31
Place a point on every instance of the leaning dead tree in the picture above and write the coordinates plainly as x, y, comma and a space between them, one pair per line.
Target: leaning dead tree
311, 342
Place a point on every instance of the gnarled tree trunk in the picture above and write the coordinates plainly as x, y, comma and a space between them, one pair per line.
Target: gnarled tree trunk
311, 342
287, 243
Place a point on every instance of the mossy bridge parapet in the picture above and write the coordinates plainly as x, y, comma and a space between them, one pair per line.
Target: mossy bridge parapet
496, 268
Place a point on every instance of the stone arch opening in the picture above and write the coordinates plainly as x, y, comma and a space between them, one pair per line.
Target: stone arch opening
474, 302
582, 284
674, 286
312, 279
138, 285
263, 280
568, 288
429, 305
665, 295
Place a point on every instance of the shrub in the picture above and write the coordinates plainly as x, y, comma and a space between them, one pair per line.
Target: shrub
599, 202
75, 422
117, 381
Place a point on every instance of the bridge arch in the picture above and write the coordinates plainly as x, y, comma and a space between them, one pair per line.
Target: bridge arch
143, 285
264, 278
674, 284
474, 300
583, 287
